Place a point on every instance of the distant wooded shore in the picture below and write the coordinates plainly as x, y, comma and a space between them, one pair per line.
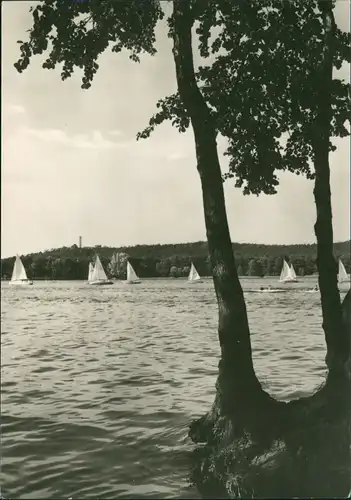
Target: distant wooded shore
171, 260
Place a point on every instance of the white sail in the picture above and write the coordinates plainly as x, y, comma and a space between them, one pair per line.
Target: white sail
342, 275
292, 272
193, 274
19, 272
131, 274
285, 274
91, 270
98, 272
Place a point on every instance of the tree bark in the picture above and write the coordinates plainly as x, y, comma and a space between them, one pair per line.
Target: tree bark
236, 368
336, 336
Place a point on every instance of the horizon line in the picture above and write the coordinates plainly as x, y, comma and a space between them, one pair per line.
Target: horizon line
170, 244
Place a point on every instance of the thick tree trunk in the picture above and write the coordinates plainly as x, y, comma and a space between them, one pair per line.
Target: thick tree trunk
236, 368
337, 339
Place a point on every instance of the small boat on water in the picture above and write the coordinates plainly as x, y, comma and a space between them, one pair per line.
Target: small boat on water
272, 290
269, 290
19, 275
97, 275
194, 276
132, 277
91, 270
343, 277
90, 273
288, 274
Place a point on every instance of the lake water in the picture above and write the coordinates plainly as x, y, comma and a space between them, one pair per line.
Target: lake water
99, 384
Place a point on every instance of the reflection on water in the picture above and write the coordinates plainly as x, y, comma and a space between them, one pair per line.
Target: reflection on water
99, 384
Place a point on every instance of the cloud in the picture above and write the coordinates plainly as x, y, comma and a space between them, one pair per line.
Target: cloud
176, 156
16, 109
13, 110
116, 133
95, 140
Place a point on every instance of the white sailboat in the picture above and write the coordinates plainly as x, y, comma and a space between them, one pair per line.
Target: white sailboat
288, 274
19, 275
292, 273
132, 277
98, 275
342, 275
91, 270
194, 276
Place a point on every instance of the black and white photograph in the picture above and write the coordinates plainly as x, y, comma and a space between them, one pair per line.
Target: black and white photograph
175, 249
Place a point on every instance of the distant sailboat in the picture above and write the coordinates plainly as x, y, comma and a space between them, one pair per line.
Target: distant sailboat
292, 273
132, 277
194, 276
288, 274
342, 275
19, 275
91, 270
98, 275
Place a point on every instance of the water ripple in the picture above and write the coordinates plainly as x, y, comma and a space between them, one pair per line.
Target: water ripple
99, 385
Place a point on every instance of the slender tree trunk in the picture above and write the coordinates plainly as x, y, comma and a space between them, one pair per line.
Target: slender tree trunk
336, 336
236, 365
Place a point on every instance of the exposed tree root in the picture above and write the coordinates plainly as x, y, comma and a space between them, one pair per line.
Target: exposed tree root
269, 449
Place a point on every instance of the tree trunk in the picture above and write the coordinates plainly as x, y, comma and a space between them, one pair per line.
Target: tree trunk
237, 378
336, 336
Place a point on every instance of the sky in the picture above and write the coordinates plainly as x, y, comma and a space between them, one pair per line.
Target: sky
71, 165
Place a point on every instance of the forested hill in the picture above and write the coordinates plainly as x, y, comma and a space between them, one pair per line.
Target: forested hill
169, 260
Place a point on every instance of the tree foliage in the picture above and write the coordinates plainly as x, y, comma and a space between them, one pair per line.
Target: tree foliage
263, 86
75, 34
261, 83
